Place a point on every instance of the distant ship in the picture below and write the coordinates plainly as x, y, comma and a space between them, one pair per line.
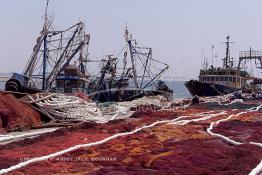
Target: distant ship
220, 81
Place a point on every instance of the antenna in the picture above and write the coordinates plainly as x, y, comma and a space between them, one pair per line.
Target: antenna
213, 55
126, 32
206, 63
46, 8
215, 58
203, 59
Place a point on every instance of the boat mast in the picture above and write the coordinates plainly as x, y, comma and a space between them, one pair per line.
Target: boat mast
45, 31
129, 41
227, 61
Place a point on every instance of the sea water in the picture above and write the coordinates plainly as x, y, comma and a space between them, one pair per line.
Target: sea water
2, 85
178, 87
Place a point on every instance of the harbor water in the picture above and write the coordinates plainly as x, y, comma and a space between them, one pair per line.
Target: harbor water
2, 85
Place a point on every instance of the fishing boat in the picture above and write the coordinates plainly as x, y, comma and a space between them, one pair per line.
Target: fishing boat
118, 79
215, 81
60, 63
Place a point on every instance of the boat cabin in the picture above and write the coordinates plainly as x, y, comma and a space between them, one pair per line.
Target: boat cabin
233, 78
70, 80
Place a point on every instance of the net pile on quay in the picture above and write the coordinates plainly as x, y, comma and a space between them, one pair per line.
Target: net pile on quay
148, 135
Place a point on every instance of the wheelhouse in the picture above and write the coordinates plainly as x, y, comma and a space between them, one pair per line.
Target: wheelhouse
229, 77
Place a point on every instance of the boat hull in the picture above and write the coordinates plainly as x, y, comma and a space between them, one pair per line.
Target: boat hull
119, 95
207, 89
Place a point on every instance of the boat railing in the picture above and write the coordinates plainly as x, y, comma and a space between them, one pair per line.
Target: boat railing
250, 53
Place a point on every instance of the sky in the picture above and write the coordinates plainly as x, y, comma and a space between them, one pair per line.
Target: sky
177, 30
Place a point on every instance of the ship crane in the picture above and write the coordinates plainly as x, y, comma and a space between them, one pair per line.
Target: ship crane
252, 56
